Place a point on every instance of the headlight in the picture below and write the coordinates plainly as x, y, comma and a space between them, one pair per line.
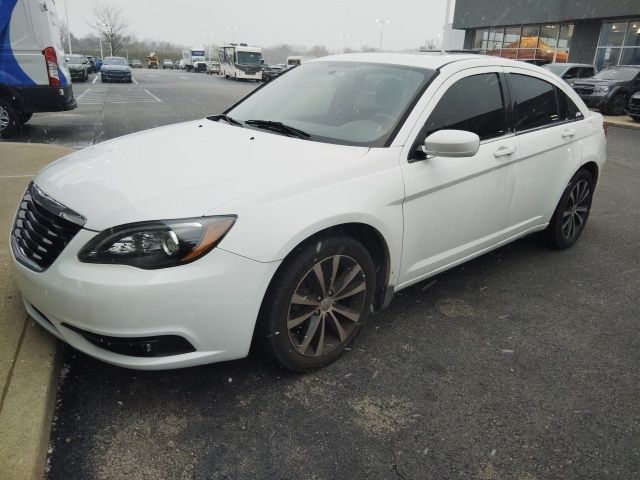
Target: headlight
157, 244
601, 89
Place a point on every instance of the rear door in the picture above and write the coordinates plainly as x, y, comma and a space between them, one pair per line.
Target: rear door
548, 126
457, 207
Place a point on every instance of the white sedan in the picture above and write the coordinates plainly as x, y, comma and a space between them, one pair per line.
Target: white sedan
343, 181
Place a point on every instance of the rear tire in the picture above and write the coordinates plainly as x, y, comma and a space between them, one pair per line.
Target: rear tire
316, 303
635, 118
9, 118
571, 214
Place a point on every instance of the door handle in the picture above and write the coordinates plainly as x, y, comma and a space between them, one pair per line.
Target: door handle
568, 133
503, 151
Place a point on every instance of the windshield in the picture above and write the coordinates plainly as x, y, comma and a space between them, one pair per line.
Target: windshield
75, 60
114, 61
249, 58
622, 74
338, 102
556, 69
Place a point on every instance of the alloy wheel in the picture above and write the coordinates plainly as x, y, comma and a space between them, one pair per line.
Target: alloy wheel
326, 305
4, 118
576, 210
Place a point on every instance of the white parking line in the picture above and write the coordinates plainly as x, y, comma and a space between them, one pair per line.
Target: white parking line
134, 81
152, 75
186, 77
16, 176
153, 95
95, 79
83, 94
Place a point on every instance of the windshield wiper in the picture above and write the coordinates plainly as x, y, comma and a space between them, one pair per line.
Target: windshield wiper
278, 127
226, 118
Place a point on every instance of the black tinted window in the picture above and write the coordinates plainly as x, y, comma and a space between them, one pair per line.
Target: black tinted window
585, 72
568, 109
534, 102
474, 104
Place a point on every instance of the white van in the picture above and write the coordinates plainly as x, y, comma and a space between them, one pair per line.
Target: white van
33, 74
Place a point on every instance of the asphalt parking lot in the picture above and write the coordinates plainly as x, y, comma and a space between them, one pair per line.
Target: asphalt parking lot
522, 364
156, 98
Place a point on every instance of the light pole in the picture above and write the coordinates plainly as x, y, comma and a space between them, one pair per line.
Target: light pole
381, 21
66, 11
208, 35
445, 27
344, 37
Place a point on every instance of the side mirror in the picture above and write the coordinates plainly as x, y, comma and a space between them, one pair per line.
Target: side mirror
451, 143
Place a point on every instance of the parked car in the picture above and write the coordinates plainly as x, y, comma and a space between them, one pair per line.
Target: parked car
213, 67
610, 89
570, 72
94, 67
136, 64
634, 107
33, 74
115, 69
167, 65
269, 72
384, 171
78, 66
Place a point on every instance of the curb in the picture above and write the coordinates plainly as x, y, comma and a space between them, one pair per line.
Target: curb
29, 356
622, 122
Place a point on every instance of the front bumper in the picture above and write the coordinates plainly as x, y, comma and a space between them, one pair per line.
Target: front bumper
115, 76
212, 303
595, 100
76, 74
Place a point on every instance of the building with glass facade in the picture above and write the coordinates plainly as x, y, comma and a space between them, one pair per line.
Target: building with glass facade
602, 33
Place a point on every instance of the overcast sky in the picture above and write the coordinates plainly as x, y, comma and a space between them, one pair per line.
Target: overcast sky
265, 23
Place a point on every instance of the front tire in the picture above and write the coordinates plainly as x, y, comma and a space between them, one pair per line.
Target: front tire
9, 118
618, 105
571, 214
316, 303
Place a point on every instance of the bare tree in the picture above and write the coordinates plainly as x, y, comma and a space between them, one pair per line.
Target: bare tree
431, 43
113, 27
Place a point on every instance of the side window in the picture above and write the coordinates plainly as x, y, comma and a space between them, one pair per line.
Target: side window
586, 72
568, 109
533, 101
571, 73
474, 103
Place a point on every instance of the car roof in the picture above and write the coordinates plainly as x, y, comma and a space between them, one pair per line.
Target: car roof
429, 60
568, 65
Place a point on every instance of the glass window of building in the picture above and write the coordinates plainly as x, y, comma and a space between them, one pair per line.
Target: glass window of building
619, 44
633, 34
512, 37
547, 43
607, 57
613, 34
496, 38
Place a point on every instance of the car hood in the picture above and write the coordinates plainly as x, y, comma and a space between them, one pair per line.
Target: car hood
115, 67
187, 170
593, 81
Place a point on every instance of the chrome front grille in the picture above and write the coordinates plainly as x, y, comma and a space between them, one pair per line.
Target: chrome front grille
42, 229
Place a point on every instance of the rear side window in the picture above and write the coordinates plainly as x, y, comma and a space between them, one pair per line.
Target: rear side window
586, 72
568, 109
474, 103
534, 102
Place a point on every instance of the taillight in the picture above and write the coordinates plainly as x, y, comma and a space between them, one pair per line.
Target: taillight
52, 66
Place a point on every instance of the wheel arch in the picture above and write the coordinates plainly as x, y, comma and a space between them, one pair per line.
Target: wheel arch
375, 243
592, 168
